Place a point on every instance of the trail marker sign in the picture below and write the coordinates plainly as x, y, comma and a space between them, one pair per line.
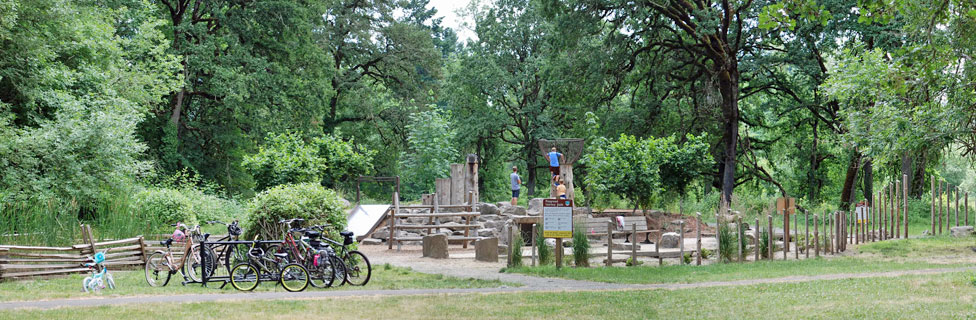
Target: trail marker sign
557, 218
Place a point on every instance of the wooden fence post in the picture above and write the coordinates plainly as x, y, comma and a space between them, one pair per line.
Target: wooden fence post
816, 236
396, 209
897, 212
857, 229
633, 245
698, 225
610, 244
657, 249
786, 233
957, 206
718, 233
771, 237
796, 237
755, 232
142, 247
738, 236
967, 212
932, 206
940, 206
806, 238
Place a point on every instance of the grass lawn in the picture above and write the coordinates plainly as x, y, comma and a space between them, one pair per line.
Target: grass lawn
892, 255
945, 296
131, 283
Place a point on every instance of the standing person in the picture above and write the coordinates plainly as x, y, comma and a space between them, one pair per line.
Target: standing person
516, 184
554, 158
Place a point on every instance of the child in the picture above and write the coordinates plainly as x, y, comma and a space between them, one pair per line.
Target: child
560, 187
554, 160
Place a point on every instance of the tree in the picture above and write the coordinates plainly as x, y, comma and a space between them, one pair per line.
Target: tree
431, 151
284, 159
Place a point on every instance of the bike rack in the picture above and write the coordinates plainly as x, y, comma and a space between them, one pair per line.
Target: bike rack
205, 255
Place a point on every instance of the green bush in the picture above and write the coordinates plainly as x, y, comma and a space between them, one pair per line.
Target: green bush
705, 253
516, 250
309, 201
581, 247
546, 253
164, 205
726, 243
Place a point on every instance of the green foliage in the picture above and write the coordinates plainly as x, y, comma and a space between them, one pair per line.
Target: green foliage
705, 253
546, 253
643, 168
284, 159
630, 262
516, 250
581, 247
309, 201
167, 205
726, 244
686, 259
430, 139
343, 160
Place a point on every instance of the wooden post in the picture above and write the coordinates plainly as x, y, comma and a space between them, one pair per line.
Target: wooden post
816, 236
532, 239
610, 244
142, 247
559, 253
633, 245
467, 220
830, 231
786, 233
738, 236
932, 205
796, 237
806, 238
681, 241
967, 212
718, 233
897, 212
698, 238
511, 243
771, 237
755, 232
396, 209
857, 229
957, 206
657, 249
940, 207
904, 192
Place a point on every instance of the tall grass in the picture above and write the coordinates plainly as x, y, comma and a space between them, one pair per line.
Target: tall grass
546, 253
726, 242
49, 222
581, 247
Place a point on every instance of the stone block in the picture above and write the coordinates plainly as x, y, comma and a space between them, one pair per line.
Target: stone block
961, 231
670, 240
486, 250
435, 246
625, 246
535, 205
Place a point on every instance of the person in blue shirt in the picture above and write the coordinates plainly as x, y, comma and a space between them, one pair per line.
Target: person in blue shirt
516, 184
554, 158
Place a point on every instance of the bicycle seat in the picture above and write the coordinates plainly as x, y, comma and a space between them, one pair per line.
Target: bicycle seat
281, 255
167, 243
346, 233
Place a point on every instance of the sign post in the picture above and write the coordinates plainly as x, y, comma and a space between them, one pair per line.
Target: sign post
557, 222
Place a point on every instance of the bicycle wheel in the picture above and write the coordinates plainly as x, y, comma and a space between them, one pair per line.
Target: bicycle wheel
193, 265
109, 281
86, 284
293, 277
358, 269
233, 255
157, 270
244, 277
339, 271
323, 274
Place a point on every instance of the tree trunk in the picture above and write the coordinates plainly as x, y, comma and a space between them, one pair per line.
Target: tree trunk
848, 191
813, 190
729, 86
867, 183
918, 175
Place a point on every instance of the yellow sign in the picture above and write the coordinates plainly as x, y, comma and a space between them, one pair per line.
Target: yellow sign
557, 234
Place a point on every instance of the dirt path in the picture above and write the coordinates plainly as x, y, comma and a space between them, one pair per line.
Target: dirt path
463, 268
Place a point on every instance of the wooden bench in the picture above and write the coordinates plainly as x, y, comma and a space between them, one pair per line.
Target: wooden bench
627, 228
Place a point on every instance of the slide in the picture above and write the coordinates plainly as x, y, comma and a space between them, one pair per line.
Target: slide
363, 219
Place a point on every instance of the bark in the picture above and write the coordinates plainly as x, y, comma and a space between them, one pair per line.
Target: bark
848, 191
729, 87
814, 187
867, 172
906, 170
530, 159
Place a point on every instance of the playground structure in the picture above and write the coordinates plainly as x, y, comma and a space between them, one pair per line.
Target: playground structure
572, 150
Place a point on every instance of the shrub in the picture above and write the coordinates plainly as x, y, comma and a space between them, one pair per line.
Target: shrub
163, 205
630, 262
516, 250
705, 253
546, 253
309, 201
284, 158
726, 244
581, 247
687, 258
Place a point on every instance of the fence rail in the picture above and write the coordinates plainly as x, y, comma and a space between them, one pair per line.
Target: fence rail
30, 261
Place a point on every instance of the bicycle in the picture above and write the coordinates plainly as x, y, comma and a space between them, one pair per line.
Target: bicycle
248, 275
231, 254
161, 265
357, 269
100, 277
320, 262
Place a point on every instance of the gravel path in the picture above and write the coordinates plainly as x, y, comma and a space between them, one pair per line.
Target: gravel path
464, 268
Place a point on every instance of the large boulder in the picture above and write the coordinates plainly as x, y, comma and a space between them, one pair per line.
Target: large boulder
371, 242
384, 233
961, 231
486, 208
513, 211
486, 250
625, 246
435, 246
535, 206
486, 232
670, 240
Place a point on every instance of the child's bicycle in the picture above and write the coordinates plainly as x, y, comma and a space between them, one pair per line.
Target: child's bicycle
100, 277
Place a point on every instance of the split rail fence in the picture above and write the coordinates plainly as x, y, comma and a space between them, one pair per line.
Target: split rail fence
31, 261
